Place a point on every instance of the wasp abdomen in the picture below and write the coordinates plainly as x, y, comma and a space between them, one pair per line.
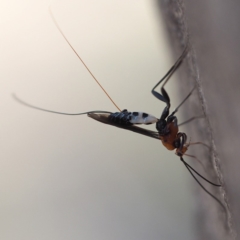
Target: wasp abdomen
128, 118
122, 117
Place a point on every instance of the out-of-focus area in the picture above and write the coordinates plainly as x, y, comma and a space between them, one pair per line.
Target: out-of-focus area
214, 33
65, 177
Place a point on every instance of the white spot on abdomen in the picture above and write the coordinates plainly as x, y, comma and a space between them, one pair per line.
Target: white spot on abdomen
142, 118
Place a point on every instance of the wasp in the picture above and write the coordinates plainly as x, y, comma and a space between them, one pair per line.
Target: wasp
167, 125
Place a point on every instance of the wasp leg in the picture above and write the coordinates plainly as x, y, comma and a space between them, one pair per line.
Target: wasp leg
172, 119
164, 96
204, 144
184, 100
191, 119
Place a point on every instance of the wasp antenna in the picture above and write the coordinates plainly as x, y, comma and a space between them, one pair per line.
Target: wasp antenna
192, 156
186, 164
60, 30
210, 194
46, 110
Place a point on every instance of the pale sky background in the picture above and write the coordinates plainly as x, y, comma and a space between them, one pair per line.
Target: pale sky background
64, 177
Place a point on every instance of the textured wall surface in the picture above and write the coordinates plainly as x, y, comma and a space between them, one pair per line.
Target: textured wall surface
213, 62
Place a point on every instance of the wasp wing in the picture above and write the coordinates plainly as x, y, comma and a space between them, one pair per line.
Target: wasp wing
103, 118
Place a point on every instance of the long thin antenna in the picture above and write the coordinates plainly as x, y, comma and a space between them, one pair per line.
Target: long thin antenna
46, 110
60, 30
189, 167
210, 194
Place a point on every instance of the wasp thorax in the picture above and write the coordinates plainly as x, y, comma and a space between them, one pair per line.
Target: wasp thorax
161, 126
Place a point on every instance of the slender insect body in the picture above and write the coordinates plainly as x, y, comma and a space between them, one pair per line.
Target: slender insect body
128, 118
167, 125
167, 129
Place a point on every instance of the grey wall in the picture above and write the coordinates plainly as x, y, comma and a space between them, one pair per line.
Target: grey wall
214, 34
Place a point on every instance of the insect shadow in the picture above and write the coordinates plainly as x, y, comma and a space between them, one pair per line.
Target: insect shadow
167, 125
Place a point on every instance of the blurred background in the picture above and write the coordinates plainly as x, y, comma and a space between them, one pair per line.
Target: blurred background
65, 177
